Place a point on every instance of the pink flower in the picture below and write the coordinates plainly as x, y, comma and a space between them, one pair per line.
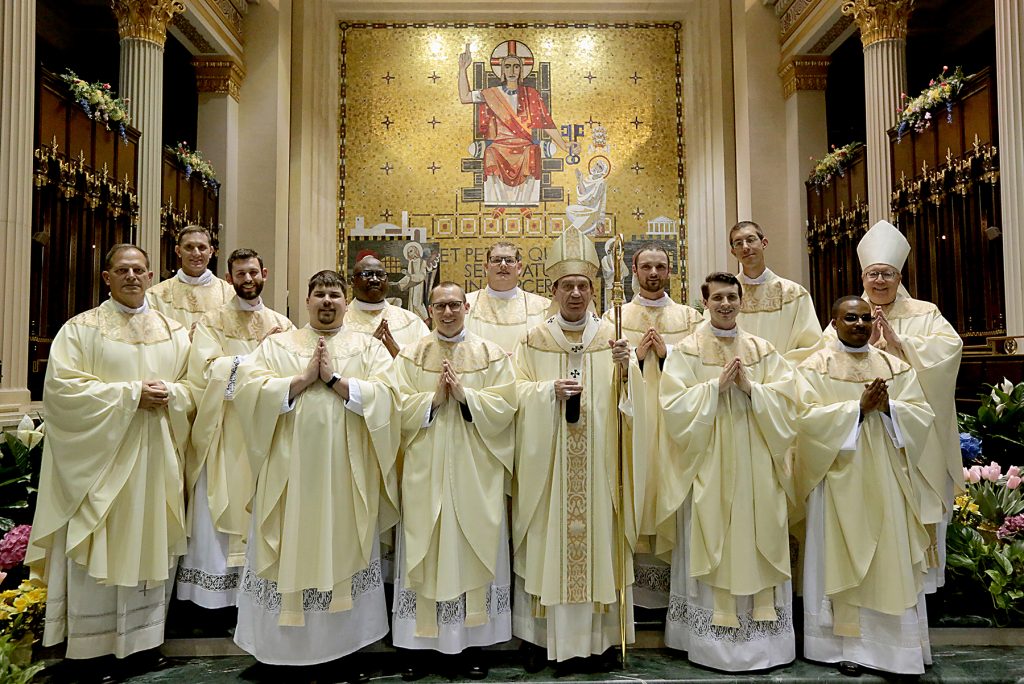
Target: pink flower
1013, 482
974, 475
1013, 471
106, 86
13, 547
967, 475
931, 82
992, 471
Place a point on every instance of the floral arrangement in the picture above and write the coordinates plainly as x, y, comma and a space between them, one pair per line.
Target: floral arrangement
21, 452
985, 543
194, 162
999, 424
99, 103
832, 164
916, 114
13, 547
22, 610
14, 661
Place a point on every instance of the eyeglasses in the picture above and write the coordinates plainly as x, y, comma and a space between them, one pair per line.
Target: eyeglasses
853, 318
370, 275
887, 276
441, 307
499, 260
751, 240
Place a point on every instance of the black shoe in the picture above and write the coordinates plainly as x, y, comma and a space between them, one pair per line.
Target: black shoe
849, 668
534, 658
413, 671
474, 665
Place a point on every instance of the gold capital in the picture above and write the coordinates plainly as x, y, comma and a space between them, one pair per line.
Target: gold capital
218, 74
879, 19
145, 19
804, 72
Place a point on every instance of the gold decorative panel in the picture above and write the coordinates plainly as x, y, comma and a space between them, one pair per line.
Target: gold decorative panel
555, 124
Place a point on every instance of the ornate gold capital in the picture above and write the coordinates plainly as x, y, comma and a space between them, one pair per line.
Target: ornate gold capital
804, 72
145, 19
879, 19
218, 74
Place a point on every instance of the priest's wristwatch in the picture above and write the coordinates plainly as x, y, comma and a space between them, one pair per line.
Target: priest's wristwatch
335, 377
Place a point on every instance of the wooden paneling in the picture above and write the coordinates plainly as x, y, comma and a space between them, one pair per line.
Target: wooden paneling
184, 201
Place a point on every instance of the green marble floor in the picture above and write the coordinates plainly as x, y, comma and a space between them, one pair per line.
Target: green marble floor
972, 665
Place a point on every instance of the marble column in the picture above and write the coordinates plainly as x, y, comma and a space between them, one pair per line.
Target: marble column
219, 81
142, 25
803, 85
883, 33
1010, 95
17, 123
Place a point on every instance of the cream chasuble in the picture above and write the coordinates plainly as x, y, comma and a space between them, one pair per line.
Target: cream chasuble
781, 312
565, 491
874, 547
187, 303
932, 347
111, 497
325, 476
732, 449
505, 321
674, 322
217, 444
453, 473
405, 326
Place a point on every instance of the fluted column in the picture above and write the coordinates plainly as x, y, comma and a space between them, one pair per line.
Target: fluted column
219, 82
142, 25
883, 32
17, 122
1010, 95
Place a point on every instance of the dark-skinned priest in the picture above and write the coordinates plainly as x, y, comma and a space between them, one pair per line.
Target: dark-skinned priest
323, 443
861, 437
565, 492
457, 393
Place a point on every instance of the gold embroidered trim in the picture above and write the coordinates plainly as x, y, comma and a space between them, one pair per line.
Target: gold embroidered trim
770, 296
487, 309
471, 355
577, 530
847, 367
194, 299
143, 328
905, 307
540, 339
244, 325
367, 321
716, 351
672, 320
343, 344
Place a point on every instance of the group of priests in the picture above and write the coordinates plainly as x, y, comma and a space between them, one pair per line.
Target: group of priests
521, 469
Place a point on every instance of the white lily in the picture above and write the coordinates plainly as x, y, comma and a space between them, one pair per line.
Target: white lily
1006, 386
27, 434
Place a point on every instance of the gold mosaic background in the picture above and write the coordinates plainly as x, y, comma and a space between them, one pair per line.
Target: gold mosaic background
405, 135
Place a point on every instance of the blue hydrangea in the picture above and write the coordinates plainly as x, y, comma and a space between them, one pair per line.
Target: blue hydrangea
970, 449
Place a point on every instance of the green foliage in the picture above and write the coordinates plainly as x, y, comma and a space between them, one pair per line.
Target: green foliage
14, 665
1000, 423
984, 570
19, 478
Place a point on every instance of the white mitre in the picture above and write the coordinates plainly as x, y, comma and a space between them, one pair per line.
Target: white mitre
883, 244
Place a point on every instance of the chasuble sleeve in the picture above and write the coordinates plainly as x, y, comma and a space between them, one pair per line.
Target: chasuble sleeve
493, 408
773, 400
262, 388
822, 427
382, 422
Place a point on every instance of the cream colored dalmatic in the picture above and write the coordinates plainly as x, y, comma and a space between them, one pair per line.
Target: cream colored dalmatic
326, 485
674, 322
218, 477
452, 586
723, 501
186, 299
110, 518
781, 312
865, 558
505, 317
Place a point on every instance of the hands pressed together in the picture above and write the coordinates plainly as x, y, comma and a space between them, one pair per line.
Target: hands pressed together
448, 385
875, 397
154, 394
383, 333
651, 340
881, 330
734, 375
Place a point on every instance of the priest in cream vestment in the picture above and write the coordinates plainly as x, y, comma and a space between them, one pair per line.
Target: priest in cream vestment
565, 491
194, 289
217, 473
916, 332
503, 312
110, 518
457, 393
725, 487
861, 438
652, 323
774, 308
370, 313
323, 442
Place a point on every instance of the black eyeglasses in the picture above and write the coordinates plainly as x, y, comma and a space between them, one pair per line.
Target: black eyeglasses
853, 318
370, 275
